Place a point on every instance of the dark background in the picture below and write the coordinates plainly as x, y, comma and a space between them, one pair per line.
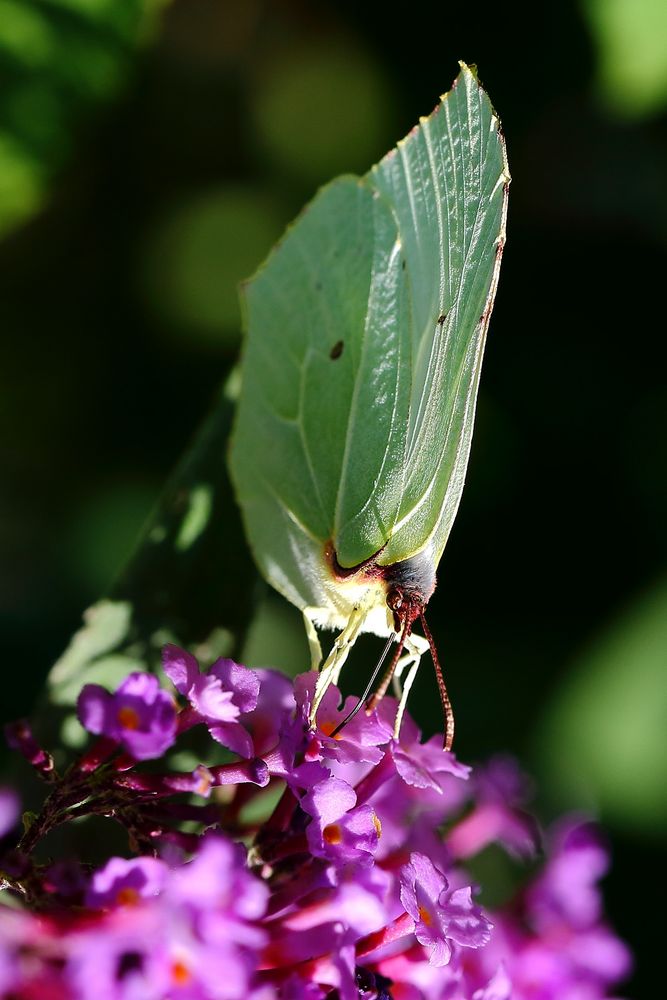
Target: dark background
155, 168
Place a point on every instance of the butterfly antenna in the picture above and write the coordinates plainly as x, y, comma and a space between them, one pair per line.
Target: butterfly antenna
389, 673
357, 707
444, 697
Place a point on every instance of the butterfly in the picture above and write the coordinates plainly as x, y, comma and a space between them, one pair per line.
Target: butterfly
365, 330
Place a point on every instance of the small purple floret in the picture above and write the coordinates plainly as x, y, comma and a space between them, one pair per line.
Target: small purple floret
217, 697
123, 882
139, 715
567, 889
338, 831
440, 919
217, 879
360, 739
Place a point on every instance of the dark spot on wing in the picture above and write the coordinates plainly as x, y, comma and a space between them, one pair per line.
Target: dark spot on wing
336, 350
441, 319
403, 264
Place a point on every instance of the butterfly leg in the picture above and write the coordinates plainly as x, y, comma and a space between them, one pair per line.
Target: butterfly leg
309, 616
331, 668
416, 647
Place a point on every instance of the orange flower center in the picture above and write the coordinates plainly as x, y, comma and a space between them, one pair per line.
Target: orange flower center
128, 718
328, 728
180, 973
127, 896
332, 834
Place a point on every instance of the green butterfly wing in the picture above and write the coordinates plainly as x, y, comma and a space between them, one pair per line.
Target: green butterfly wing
365, 334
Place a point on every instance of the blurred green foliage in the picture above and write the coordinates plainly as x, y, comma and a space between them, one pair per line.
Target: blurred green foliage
199, 253
632, 54
140, 182
608, 719
321, 109
58, 58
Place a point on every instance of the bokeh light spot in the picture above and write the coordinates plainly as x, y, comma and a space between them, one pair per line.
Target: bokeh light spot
632, 53
602, 744
321, 111
197, 257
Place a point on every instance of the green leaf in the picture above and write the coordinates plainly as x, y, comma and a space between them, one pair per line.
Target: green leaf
190, 581
106, 626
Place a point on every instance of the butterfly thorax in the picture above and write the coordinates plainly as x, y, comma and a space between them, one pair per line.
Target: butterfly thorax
405, 588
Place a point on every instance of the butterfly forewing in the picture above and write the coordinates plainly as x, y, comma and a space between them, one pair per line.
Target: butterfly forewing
447, 184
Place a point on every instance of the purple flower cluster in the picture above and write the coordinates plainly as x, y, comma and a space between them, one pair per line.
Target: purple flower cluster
149, 930
306, 867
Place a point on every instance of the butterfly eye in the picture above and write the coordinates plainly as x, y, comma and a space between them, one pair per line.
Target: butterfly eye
395, 599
